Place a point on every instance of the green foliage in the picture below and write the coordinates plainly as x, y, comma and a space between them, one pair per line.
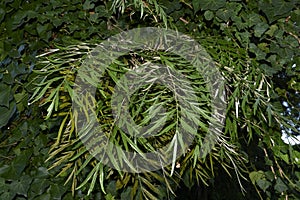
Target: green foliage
255, 45
23, 173
76, 156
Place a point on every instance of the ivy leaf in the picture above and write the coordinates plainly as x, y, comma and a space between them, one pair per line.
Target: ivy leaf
3, 186
5, 95
56, 191
252, 19
263, 184
31, 14
18, 19
16, 69
196, 5
260, 55
285, 157
21, 186
230, 11
41, 29
260, 28
102, 11
272, 30
295, 16
243, 37
7, 195
276, 9
208, 4
291, 41
224, 14
42, 172
7, 113
57, 22
270, 71
280, 186
21, 161
88, 5
21, 100
39, 186
256, 175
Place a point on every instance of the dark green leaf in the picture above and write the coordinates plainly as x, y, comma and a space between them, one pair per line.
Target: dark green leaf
42, 172
4, 169
260, 55
260, 28
16, 69
7, 195
2, 14
56, 191
88, 5
224, 14
253, 19
196, 5
280, 186
21, 161
21, 186
7, 113
263, 184
276, 9
5, 95
39, 186
18, 19
210, 4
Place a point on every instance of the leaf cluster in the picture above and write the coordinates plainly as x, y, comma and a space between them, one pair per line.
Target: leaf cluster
255, 45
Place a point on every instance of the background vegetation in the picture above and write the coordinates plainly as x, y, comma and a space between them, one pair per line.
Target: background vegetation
255, 45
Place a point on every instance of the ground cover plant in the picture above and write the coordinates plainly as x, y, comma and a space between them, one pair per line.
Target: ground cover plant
255, 45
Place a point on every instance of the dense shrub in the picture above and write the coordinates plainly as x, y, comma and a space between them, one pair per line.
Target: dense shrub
255, 45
